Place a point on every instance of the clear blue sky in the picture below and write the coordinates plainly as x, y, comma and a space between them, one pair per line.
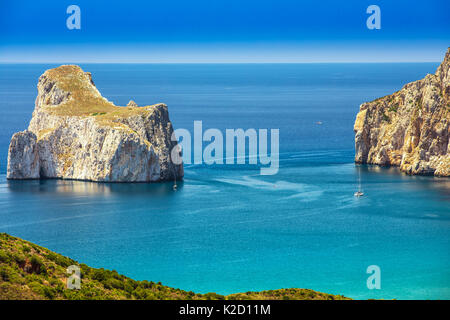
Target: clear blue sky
224, 31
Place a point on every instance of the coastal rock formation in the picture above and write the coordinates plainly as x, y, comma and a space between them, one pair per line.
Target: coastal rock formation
409, 128
75, 133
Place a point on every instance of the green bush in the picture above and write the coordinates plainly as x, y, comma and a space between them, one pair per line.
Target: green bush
19, 258
214, 296
113, 283
38, 265
4, 273
140, 293
100, 275
393, 108
4, 258
59, 259
49, 292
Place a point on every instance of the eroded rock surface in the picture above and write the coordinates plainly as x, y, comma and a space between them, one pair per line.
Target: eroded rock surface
75, 133
409, 128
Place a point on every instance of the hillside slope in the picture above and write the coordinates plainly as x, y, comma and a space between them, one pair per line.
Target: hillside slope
31, 272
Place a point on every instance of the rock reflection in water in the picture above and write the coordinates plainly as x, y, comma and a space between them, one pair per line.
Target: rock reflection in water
91, 188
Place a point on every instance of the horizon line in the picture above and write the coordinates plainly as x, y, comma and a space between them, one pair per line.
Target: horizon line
219, 62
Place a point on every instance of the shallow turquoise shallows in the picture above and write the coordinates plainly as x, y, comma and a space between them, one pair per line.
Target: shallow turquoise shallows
227, 228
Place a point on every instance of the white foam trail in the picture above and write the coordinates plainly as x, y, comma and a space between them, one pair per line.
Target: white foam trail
303, 191
306, 196
431, 215
45, 221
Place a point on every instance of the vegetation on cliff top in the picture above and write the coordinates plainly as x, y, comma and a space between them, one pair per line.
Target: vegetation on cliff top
84, 99
28, 271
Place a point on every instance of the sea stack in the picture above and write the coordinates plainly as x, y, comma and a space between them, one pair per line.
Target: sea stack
75, 133
409, 128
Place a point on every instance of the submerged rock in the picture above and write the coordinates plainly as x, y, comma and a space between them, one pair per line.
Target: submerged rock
75, 133
409, 128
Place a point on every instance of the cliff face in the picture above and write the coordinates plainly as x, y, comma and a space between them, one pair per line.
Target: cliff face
409, 128
75, 133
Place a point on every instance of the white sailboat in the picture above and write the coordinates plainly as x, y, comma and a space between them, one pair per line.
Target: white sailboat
359, 193
175, 181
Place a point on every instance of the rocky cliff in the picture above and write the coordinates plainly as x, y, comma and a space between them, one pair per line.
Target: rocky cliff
409, 128
75, 133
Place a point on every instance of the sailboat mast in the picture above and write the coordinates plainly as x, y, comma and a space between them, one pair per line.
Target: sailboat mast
359, 179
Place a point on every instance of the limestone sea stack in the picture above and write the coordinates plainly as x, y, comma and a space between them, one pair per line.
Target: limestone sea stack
409, 128
75, 133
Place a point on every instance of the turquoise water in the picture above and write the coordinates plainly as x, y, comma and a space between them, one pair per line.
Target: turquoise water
227, 228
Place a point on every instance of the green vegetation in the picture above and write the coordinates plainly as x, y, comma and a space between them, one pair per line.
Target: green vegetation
393, 108
285, 294
418, 105
387, 97
84, 99
28, 271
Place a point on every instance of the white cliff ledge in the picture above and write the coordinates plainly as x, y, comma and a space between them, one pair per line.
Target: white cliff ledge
75, 133
410, 128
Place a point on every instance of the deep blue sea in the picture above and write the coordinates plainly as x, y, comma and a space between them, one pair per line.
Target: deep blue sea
227, 228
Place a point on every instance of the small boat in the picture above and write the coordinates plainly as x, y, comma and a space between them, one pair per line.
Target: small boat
174, 180
359, 193
319, 122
